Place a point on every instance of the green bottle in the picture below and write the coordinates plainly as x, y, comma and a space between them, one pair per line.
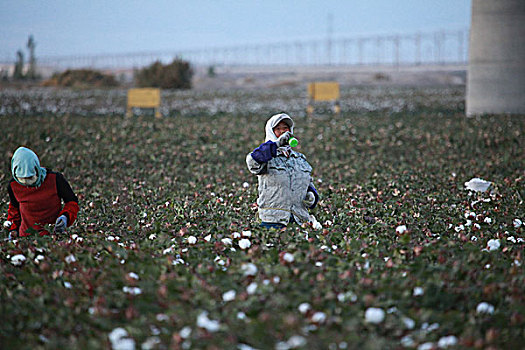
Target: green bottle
293, 142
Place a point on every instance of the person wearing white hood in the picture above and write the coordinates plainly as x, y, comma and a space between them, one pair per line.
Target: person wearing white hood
286, 189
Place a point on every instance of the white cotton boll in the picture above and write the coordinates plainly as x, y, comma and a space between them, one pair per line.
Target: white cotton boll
484, 308
71, 259
315, 224
207, 238
241, 315
226, 241
288, 257
162, 317
150, 343
418, 291
246, 233
511, 239
408, 322
244, 243
133, 275
318, 264
68, 285
192, 239
7, 224
252, 287
39, 258
204, 322
517, 223
318, 317
236, 235
374, 315
296, 341
493, 244
478, 185
120, 341
229, 296
407, 341
304, 307
470, 214
185, 332
445, 342
426, 346
328, 223
132, 290
401, 229
110, 238
459, 228
18, 259
245, 185
487, 220
249, 269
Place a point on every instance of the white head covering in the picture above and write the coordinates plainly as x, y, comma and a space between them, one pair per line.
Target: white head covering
272, 123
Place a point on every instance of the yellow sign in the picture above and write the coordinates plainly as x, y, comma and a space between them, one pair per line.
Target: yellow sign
144, 98
323, 91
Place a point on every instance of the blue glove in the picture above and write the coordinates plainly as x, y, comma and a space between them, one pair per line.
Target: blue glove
61, 224
265, 152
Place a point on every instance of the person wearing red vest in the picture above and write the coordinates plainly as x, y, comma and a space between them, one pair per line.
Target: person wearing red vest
35, 197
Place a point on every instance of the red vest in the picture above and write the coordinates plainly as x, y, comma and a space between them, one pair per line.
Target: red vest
38, 205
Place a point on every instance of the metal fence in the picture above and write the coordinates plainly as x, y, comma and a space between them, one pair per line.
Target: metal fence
442, 47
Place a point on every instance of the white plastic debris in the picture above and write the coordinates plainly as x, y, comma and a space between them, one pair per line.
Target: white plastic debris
374, 315
478, 185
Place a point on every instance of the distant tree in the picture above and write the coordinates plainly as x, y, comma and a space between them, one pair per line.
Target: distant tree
176, 75
211, 71
31, 71
18, 74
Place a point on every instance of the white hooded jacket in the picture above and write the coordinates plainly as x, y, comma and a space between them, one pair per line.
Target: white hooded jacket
283, 180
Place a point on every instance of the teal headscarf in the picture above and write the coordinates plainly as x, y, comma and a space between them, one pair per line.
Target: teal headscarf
25, 163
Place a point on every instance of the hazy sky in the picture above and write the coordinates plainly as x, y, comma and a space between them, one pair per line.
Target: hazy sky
71, 27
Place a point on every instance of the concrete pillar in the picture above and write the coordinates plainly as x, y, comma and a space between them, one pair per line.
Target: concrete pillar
496, 72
